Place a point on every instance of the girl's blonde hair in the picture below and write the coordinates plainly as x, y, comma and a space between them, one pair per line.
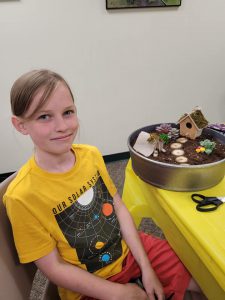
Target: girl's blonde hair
28, 85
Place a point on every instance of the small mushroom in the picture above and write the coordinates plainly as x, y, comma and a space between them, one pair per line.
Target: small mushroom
181, 159
176, 146
178, 152
155, 153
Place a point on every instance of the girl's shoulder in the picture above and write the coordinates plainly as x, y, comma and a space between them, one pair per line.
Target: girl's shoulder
85, 149
17, 186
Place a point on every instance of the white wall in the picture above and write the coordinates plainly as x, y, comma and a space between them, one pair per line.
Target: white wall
127, 68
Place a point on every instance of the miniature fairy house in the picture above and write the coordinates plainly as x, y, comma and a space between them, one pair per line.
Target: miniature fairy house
191, 125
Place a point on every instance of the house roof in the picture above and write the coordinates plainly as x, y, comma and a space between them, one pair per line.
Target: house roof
197, 117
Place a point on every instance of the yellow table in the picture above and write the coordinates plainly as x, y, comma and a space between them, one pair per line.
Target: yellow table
198, 238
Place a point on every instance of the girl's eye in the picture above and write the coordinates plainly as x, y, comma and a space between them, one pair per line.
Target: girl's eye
44, 117
69, 112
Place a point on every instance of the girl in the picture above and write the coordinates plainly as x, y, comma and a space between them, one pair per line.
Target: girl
66, 214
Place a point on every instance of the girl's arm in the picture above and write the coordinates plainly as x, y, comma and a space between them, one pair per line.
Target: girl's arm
130, 235
78, 280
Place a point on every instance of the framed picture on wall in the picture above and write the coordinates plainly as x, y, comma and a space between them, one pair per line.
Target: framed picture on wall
115, 4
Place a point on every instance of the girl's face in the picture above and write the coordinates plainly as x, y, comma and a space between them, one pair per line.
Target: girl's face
54, 127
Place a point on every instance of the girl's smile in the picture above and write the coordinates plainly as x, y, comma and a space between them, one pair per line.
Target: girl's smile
62, 138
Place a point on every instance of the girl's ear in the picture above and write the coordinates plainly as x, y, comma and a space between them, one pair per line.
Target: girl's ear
19, 124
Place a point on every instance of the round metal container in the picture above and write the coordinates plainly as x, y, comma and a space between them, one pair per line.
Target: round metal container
176, 177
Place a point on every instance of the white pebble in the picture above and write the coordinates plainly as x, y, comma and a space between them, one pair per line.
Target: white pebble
175, 146
181, 159
178, 152
182, 140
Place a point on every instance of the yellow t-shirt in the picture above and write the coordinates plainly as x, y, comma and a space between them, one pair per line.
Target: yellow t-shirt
72, 211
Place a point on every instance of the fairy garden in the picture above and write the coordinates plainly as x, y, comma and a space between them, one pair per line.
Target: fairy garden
184, 143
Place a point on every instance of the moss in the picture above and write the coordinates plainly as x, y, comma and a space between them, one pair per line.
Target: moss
199, 119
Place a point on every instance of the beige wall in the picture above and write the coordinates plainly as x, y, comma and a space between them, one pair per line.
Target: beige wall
128, 68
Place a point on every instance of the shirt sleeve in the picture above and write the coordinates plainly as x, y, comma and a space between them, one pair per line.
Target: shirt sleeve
31, 239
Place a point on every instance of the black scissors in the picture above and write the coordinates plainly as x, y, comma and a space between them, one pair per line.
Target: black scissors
207, 203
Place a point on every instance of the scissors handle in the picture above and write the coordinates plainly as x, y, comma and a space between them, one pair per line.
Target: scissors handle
198, 198
206, 203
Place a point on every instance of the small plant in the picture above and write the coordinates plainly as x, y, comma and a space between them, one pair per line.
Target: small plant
163, 128
173, 133
217, 126
208, 145
164, 137
167, 132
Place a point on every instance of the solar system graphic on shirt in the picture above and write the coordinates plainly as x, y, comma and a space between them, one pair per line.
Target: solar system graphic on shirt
91, 227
